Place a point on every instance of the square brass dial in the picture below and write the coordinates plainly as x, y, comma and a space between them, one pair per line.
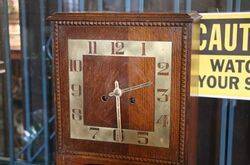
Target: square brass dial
102, 62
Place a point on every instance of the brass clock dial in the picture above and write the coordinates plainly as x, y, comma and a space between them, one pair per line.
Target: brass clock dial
119, 91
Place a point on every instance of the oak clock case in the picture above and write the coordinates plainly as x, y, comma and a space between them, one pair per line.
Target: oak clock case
121, 87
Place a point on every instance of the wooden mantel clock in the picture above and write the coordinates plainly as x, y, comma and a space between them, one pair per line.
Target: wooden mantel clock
122, 88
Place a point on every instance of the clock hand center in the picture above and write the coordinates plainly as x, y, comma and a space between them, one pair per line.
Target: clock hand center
118, 92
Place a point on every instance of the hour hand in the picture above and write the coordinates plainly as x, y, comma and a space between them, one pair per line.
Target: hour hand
132, 88
117, 91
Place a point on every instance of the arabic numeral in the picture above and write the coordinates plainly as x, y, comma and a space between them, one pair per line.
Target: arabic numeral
142, 137
163, 66
115, 135
117, 48
76, 114
163, 120
75, 65
92, 47
163, 95
94, 131
76, 89
143, 45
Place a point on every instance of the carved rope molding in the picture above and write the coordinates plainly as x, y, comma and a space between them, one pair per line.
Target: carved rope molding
183, 95
57, 87
121, 23
182, 128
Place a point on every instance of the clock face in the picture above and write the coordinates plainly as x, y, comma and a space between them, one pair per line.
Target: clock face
119, 91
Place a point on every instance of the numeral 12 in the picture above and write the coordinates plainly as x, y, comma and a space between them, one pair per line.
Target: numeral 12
117, 47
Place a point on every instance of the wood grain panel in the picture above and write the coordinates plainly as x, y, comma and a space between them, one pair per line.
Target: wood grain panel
100, 73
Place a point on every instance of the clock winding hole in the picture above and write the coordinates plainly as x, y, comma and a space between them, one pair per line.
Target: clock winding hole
132, 100
104, 98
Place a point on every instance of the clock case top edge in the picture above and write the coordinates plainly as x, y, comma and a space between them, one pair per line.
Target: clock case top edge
114, 16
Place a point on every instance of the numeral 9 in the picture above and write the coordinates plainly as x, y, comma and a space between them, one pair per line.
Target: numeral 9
76, 89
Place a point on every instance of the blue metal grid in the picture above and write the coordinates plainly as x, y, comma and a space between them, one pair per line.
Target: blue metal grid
227, 117
6, 47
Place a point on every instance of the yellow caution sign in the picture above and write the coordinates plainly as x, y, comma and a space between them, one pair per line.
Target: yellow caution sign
221, 67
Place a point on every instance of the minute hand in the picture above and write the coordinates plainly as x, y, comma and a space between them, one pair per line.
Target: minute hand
125, 90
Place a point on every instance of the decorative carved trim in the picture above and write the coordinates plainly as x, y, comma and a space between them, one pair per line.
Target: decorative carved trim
121, 23
120, 157
183, 95
62, 150
57, 87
